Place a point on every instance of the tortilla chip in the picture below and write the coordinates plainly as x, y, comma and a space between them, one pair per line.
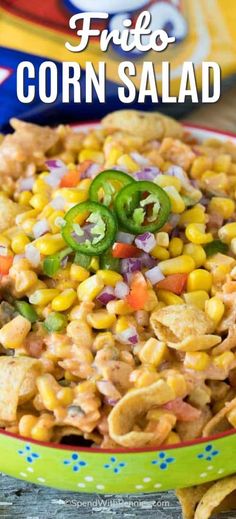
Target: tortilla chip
14, 383
219, 422
174, 323
214, 496
190, 497
133, 405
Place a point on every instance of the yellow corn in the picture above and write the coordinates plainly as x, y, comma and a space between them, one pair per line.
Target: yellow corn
4, 241
94, 264
224, 361
122, 324
19, 242
43, 296
197, 298
84, 184
177, 203
91, 141
101, 319
26, 424
72, 195
176, 247
231, 416
102, 340
215, 309
194, 215
25, 197
197, 360
223, 206
24, 280
168, 181
41, 433
109, 277
47, 211
52, 220
169, 298
91, 154
162, 239
47, 388
196, 252
40, 187
28, 225
151, 302
90, 288
199, 279
195, 232
182, 265
172, 438
119, 308
113, 156
200, 164
78, 273
178, 383
20, 218
146, 378
65, 396
233, 246
127, 162
39, 201
160, 253
222, 163
153, 352
49, 244
227, 232
64, 300
13, 334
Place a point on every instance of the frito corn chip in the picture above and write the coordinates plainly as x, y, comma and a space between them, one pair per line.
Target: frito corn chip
214, 497
123, 416
219, 422
176, 322
190, 497
228, 343
196, 343
16, 382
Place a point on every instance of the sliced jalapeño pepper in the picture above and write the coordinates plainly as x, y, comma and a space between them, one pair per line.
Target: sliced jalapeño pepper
152, 210
97, 233
52, 263
105, 186
215, 246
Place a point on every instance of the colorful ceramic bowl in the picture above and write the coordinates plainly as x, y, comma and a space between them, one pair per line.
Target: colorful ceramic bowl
80, 469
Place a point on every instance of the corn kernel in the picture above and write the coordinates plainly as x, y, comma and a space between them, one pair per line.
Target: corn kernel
177, 202
194, 215
178, 383
119, 308
169, 298
127, 162
90, 288
19, 242
78, 273
43, 296
40, 187
160, 253
200, 165
112, 158
109, 277
65, 396
224, 361
151, 302
64, 300
195, 232
13, 334
22, 217
122, 324
94, 264
146, 379
199, 279
222, 163
153, 352
53, 220
41, 433
25, 197
72, 195
223, 206
162, 239
197, 298
227, 232
215, 309
168, 181
49, 243
197, 360
4, 241
101, 319
182, 265
91, 154
28, 225
176, 247
39, 201
26, 424
196, 252
172, 438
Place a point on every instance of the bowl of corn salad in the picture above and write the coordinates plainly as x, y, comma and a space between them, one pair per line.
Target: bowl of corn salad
117, 311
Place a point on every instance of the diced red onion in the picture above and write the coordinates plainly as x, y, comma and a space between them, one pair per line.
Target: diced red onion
178, 172
3, 251
146, 241
32, 254
147, 260
140, 159
129, 336
174, 220
91, 171
106, 295
54, 179
147, 173
40, 228
56, 165
154, 275
26, 184
130, 265
58, 203
125, 237
121, 290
